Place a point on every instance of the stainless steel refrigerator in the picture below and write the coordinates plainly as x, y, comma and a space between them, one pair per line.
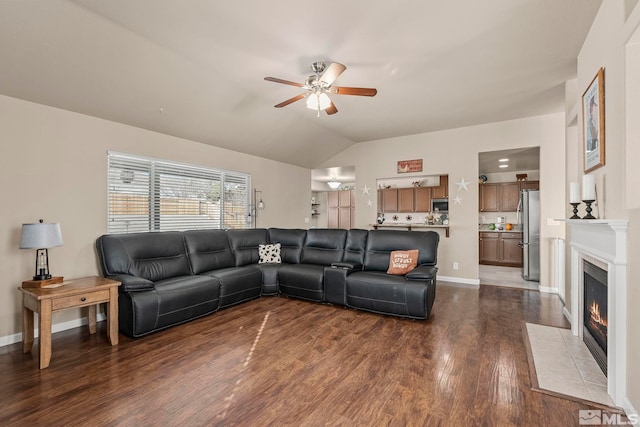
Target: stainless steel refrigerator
530, 211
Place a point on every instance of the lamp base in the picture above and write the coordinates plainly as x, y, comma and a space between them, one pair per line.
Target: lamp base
42, 283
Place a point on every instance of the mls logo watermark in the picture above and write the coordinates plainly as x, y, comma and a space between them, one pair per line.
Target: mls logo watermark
597, 417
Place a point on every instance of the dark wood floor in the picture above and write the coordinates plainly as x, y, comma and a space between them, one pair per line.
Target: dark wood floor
279, 361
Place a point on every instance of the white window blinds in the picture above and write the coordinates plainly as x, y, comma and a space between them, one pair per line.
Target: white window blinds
158, 195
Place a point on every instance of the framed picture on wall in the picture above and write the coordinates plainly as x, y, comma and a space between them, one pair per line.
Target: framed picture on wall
593, 123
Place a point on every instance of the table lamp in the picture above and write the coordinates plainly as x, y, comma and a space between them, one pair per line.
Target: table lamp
41, 236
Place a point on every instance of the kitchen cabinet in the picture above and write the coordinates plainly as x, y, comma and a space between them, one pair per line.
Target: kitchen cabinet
529, 185
405, 199
422, 199
489, 198
441, 191
511, 249
509, 196
500, 248
489, 248
389, 198
500, 196
333, 198
341, 209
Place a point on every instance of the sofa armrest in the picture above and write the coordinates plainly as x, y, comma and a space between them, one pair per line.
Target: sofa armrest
354, 266
132, 283
422, 272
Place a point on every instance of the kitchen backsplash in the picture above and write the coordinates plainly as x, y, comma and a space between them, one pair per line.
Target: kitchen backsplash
492, 218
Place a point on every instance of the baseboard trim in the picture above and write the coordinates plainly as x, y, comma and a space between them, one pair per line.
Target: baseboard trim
475, 282
629, 409
548, 290
56, 327
566, 313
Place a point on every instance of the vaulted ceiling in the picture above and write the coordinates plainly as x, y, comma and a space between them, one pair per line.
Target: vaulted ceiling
195, 68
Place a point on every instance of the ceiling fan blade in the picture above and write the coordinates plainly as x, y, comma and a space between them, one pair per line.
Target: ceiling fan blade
332, 72
331, 109
291, 100
286, 82
360, 91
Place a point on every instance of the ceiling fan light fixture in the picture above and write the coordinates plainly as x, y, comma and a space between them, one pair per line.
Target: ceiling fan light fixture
318, 101
334, 184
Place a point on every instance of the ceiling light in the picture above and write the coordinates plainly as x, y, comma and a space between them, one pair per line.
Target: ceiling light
318, 101
503, 166
503, 160
334, 184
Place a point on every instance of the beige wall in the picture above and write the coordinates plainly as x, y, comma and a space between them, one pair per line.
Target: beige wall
455, 152
53, 165
605, 47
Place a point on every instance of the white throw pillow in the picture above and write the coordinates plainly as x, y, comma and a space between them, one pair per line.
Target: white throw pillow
269, 253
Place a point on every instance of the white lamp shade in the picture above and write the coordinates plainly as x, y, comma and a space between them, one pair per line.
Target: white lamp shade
40, 236
318, 102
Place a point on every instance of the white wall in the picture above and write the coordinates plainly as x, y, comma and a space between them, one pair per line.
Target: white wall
455, 152
53, 165
605, 47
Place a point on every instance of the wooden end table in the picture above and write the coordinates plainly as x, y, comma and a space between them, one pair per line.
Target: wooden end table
82, 292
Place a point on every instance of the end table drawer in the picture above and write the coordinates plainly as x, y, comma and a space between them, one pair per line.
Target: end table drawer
80, 300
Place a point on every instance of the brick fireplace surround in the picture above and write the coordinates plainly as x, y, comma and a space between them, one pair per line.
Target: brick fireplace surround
603, 243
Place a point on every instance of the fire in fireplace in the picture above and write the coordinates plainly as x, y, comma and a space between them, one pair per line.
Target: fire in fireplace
595, 313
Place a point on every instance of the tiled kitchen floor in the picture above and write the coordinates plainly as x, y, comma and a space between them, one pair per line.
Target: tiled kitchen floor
505, 276
564, 365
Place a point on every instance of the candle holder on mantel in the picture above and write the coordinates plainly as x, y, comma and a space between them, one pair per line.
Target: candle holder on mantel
588, 209
575, 210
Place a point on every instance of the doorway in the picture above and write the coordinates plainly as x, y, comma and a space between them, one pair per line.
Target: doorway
333, 197
509, 235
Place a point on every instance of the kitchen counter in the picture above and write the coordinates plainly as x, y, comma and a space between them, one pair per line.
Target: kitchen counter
486, 230
410, 226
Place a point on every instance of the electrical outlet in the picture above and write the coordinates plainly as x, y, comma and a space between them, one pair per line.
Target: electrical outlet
306, 220
455, 265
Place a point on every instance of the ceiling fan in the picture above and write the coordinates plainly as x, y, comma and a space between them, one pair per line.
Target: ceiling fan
318, 87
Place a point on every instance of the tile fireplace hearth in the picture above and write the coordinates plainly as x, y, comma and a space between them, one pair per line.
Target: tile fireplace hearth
602, 244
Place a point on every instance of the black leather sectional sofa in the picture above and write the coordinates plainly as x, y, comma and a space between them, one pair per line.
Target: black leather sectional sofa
169, 278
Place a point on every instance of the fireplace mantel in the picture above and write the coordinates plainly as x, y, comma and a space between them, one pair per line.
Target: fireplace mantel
603, 241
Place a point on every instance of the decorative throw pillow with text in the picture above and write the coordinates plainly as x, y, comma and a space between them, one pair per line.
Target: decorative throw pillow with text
269, 253
402, 262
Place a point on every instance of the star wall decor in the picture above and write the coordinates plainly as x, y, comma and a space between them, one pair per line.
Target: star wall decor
457, 200
369, 203
365, 190
463, 184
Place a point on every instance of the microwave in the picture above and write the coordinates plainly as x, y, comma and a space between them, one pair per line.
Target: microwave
441, 205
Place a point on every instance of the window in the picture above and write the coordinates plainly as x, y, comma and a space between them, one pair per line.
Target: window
158, 195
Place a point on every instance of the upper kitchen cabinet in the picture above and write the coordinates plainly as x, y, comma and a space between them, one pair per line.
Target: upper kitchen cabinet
389, 197
422, 199
489, 198
529, 185
503, 196
441, 191
509, 196
405, 200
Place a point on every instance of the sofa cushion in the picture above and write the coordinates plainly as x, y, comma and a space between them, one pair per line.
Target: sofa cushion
323, 246
291, 242
183, 298
208, 250
380, 244
238, 284
386, 294
152, 256
302, 281
355, 246
269, 254
402, 262
244, 244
